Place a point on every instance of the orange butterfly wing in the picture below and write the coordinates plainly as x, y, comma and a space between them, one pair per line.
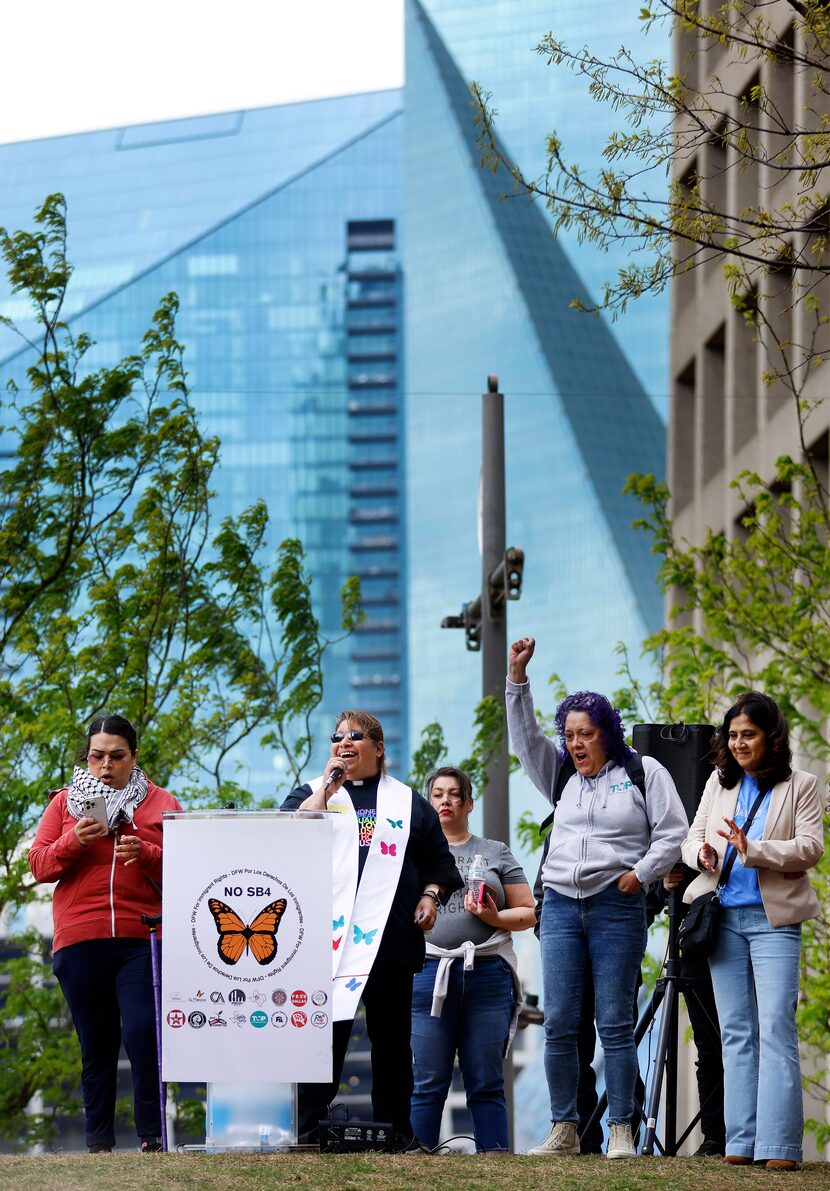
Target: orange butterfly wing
232, 930
235, 936
263, 936
231, 947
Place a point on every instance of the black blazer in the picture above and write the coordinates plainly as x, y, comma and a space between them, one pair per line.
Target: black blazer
427, 861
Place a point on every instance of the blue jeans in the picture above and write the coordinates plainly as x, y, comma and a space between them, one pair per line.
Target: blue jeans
475, 1023
755, 970
609, 929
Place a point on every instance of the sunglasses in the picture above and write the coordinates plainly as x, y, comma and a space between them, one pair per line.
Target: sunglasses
355, 734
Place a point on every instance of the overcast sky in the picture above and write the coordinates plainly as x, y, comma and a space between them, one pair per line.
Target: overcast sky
102, 63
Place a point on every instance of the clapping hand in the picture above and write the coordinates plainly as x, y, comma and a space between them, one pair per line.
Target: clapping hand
707, 858
735, 836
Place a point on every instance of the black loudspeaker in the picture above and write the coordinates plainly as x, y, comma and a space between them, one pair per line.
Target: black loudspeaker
685, 750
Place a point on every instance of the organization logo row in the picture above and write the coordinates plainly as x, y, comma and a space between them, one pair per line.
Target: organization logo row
196, 1019
299, 999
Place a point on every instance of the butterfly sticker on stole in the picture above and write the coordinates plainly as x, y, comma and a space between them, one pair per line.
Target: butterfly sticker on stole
387, 849
260, 938
361, 936
395, 822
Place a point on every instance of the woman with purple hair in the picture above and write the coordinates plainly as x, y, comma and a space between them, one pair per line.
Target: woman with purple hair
608, 843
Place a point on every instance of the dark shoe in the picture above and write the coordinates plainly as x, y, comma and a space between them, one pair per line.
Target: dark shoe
407, 1143
100, 1149
781, 1164
737, 1160
151, 1145
709, 1149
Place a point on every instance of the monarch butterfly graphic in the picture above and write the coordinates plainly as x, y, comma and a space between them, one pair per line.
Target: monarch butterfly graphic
260, 938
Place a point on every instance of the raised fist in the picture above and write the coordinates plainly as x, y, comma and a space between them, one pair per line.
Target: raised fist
521, 652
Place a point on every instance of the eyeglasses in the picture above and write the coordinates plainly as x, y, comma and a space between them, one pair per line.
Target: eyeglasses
355, 734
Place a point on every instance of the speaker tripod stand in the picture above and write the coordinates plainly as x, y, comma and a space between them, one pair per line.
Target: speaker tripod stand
665, 998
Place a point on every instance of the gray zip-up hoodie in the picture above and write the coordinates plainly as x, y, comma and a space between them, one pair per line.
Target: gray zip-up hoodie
603, 826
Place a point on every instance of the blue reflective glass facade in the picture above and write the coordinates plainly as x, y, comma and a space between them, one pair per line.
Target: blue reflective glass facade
348, 278
488, 291
494, 42
290, 317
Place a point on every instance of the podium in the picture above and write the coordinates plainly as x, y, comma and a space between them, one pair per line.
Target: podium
246, 991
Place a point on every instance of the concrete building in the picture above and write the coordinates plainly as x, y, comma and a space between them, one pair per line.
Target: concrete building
725, 417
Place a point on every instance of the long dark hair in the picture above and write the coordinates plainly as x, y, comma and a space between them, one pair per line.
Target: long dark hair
113, 725
768, 716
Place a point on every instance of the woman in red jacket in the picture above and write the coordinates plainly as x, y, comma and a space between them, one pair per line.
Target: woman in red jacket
108, 875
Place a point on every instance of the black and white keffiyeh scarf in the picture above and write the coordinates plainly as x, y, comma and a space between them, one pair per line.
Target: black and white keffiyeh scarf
121, 804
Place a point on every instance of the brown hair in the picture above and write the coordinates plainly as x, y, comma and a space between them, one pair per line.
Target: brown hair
369, 724
457, 775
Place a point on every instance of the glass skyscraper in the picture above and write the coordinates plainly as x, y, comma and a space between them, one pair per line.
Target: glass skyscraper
348, 278
488, 291
279, 230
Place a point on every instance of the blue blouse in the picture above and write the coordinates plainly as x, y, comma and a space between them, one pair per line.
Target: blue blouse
742, 888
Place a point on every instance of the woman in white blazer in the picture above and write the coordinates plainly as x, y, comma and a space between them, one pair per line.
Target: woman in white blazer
755, 964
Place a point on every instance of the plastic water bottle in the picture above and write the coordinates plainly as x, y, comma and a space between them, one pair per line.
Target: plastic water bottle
476, 875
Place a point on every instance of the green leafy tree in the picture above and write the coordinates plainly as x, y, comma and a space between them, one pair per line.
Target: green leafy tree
669, 116
488, 717
707, 167
117, 592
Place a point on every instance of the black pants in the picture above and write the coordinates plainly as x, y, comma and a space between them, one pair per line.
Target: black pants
387, 1000
108, 986
709, 1063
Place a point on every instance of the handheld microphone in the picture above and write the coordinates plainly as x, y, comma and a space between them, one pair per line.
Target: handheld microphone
333, 777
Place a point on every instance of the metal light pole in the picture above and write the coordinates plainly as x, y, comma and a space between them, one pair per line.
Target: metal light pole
484, 621
494, 611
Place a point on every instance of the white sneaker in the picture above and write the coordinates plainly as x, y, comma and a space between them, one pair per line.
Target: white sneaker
561, 1142
621, 1144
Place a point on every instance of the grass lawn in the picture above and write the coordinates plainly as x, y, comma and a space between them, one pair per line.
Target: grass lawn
137, 1172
